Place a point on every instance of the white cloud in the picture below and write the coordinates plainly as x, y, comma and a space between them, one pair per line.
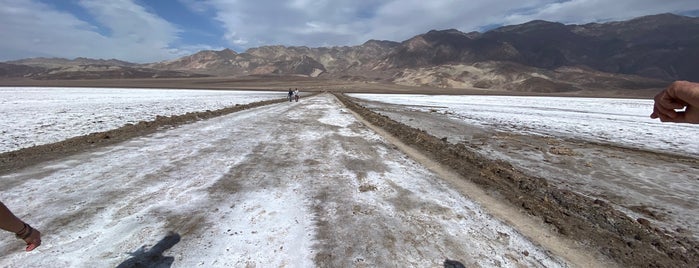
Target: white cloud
195, 5
403, 19
130, 22
299, 22
586, 11
31, 28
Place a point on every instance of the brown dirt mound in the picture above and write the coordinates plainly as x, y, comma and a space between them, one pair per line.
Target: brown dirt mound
592, 222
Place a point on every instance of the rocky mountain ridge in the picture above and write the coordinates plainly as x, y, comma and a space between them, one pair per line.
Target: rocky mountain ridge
537, 55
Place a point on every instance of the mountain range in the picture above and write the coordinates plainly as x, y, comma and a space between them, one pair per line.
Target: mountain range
541, 56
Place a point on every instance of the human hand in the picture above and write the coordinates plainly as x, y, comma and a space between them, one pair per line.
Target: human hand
679, 95
33, 240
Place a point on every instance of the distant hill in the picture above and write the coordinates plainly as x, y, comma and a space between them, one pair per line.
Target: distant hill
60, 62
92, 71
645, 52
282, 60
662, 46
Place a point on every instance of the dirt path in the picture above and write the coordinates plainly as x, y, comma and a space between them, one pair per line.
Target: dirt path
659, 187
289, 184
533, 228
638, 207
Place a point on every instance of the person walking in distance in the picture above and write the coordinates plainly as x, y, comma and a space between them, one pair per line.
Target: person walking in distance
9, 222
296, 94
291, 93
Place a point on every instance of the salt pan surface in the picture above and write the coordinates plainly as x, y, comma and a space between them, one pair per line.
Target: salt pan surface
35, 116
616, 121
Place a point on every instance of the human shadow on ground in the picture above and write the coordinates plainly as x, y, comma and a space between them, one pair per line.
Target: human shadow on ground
453, 264
154, 256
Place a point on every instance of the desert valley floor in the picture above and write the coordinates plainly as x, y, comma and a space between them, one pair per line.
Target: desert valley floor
323, 183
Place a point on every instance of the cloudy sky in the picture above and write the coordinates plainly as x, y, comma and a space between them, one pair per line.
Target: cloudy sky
154, 30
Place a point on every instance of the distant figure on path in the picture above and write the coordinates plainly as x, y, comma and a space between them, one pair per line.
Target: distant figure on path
291, 93
296, 94
10, 222
679, 95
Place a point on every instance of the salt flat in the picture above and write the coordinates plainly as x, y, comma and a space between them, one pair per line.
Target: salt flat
36, 116
623, 122
289, 184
